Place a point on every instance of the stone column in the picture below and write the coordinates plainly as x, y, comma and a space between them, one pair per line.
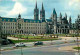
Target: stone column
61, 31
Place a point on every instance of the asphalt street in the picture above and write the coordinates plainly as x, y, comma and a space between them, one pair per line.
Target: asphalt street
44, 50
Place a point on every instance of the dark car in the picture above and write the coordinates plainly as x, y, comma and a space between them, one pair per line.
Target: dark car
38, 43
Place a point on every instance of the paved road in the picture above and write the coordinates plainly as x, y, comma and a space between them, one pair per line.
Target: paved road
45, 50
35, 52
54, 42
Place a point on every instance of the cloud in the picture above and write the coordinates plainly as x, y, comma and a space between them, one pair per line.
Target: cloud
27, 0
3, 10
24, 0
18, 8
73, 2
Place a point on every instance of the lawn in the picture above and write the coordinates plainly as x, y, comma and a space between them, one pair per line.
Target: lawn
76, 48
31, 36
27, 36
33, 40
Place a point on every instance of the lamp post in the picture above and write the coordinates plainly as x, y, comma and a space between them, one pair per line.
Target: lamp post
19, 31
77, 41
77, 37
0, 35
0, 42
21, 47
0, 47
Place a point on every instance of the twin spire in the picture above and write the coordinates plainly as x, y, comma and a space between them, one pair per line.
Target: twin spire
41, 8
42, 13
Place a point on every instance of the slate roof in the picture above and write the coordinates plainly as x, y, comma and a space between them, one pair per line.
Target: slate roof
9, 19
15, 20
25, 20
49, 20
32, 21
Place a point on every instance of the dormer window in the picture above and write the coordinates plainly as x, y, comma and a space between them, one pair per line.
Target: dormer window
26, 21
38, 21
4, 19
0, 19
34, 21
13, 20
30, 21
8, 20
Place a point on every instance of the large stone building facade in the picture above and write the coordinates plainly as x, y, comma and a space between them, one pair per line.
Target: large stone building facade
59, 25
75, 27
0, 30
56, 25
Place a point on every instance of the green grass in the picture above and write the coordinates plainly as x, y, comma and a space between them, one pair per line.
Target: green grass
25, 36
32, 40
76, 48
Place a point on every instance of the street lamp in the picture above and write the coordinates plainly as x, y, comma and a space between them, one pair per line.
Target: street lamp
77, 37
21, 47
0, 49
77, 41
19, 27
0, 42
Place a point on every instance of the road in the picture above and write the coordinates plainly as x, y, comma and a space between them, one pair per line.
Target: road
44, 50
54, 42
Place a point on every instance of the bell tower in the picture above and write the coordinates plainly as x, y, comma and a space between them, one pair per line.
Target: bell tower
42, 14
36, 13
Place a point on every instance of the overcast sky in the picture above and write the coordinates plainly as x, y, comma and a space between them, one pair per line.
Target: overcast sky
11, 8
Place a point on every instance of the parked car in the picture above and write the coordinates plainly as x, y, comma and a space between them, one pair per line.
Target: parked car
20, 45
38, 43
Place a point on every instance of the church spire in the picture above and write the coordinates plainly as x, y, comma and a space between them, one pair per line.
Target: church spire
19, 16
60, 18
36, 12
65, 15
60, 15
78, 16
36, 5
70, 21
54, 11
42, 13
42, 6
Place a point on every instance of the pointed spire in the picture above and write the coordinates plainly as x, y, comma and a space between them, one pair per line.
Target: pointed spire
54, 12
70, 18
42, 6
65, 15
60, 15
70, 21
36, 5
19, 16
78, 16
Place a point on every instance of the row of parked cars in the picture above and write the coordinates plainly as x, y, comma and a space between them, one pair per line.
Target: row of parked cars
22, 44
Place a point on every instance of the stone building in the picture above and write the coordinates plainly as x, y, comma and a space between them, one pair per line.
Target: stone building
0, 30
75, 27
59, 25
26, 26
56, 25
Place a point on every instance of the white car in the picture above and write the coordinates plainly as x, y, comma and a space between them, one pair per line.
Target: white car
20, 45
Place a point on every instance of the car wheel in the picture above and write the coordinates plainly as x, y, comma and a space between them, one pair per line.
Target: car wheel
24, 45
17, 46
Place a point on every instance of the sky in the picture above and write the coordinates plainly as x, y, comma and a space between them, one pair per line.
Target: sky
11, 8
